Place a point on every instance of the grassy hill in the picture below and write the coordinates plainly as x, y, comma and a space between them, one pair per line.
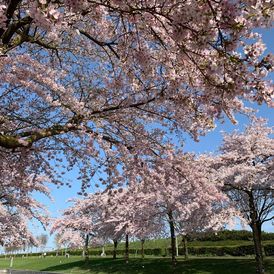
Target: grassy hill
165, 243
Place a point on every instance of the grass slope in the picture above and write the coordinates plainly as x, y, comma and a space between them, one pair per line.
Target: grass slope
165, 243
96, 265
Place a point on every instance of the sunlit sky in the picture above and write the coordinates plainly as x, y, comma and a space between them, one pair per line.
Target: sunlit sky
208, 143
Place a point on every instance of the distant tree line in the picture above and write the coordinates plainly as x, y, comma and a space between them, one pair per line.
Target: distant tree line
237, 235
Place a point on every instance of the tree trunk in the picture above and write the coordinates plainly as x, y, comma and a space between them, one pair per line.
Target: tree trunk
172, 236
115, 242
86, 247
257, 239
142, 248
184, 240
256, 227
126, 249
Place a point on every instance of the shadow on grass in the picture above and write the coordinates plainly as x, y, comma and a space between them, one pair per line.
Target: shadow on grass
162, 266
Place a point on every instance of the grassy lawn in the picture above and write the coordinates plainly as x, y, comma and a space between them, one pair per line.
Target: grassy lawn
152, 265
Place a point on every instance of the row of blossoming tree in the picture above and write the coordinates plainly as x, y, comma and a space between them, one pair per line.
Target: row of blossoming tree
100, 86
188, 193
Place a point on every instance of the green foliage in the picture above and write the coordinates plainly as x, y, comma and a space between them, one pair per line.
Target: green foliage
225, 243
245, 249
235, 235
269, 250
219, 251
147, 251
232, 250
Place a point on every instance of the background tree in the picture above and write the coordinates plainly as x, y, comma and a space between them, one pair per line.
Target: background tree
69, 239
14, 230
180, 189
176, 188
246, 168
18, 184
18, 206
57, 242
42, 241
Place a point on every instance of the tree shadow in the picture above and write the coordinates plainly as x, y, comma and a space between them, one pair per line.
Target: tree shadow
162, 266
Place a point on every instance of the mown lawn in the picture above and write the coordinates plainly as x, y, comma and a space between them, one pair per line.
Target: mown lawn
152, 265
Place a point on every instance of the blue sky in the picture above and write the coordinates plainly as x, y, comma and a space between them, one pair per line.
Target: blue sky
208, 143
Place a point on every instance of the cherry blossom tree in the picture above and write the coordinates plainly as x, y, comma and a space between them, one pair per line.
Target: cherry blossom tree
109, 216
74, 222
84, 80
88, 216
174, 189
14, 230
69, 239
246, 168
133, 213
97, 85
18, 205
186, 194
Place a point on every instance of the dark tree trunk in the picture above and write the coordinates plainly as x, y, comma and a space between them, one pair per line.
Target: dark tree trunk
126, 249
142, 248
172, 237
86, 247
184, 240
256, 227
115, 242
257, 239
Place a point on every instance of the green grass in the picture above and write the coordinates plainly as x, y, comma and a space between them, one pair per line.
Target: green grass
152, 265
